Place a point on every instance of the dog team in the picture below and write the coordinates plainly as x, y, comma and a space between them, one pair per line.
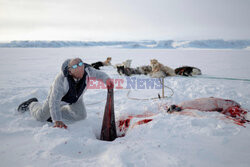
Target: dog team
155, 69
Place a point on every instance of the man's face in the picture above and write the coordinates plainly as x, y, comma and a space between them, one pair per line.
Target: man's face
78, 71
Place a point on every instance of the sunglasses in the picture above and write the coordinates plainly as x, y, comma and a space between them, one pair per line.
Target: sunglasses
77, 65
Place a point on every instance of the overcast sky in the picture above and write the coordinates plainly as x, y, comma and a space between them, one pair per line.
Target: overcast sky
124, 19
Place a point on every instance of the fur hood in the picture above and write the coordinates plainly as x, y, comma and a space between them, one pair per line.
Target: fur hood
64, 67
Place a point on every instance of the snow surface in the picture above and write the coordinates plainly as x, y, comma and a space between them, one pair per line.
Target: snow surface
169, 140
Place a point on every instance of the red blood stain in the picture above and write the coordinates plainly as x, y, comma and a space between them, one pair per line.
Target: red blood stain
236, 121
124, 124
143, 121
145, 115
235, 112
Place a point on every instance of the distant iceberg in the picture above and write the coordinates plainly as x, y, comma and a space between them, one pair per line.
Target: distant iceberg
165, 44
217, 44
147, 44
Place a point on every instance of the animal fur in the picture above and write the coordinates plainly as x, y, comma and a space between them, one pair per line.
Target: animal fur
127, 71
157, 67
126, 64
107, 62
145, 69
133, 71
99, 64
187, 71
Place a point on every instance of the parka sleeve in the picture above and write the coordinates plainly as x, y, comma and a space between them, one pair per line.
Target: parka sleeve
56, 94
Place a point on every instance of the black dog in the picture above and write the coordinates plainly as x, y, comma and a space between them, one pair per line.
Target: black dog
97, 65
187, 71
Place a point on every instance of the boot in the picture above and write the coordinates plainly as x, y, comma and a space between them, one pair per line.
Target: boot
25, 105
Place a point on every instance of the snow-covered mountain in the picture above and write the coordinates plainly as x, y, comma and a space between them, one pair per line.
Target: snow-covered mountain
164, 44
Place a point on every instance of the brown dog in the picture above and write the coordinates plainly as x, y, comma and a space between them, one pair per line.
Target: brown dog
107, 62
158, 67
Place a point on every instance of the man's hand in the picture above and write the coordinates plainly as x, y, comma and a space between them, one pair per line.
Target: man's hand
60, 124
